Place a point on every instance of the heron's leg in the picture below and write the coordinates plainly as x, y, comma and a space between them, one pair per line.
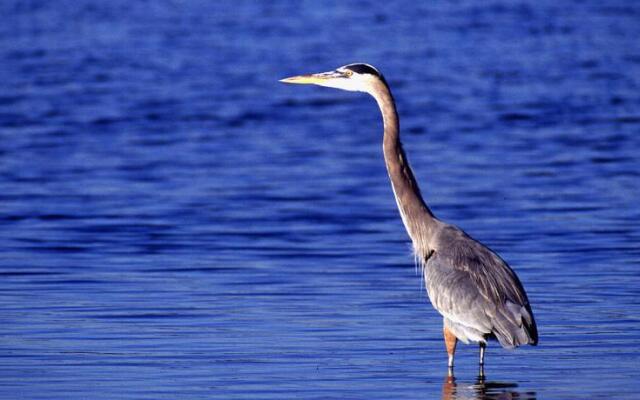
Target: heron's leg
450, 341
483, 346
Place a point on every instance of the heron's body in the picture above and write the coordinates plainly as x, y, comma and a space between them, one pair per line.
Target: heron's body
475, 291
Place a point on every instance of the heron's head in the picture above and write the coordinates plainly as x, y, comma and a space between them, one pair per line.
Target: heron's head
352, 77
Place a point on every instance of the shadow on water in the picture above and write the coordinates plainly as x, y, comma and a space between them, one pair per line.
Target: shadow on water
481, 389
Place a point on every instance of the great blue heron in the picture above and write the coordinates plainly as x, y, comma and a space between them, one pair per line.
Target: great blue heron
477, 293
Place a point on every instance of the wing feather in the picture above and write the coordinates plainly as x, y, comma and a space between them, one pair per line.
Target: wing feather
472, 286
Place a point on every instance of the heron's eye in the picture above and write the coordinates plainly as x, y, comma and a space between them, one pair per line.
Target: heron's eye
347, 73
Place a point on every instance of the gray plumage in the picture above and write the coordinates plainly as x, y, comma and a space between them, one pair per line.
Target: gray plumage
477, 293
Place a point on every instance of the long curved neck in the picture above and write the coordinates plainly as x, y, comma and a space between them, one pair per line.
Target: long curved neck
416, 216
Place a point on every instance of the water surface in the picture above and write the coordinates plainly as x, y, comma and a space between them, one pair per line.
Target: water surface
174, 223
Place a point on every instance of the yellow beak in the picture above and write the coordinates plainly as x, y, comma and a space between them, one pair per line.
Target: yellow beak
304, 79
311, 79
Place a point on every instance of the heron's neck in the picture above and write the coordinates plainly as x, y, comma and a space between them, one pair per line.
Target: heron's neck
416, 216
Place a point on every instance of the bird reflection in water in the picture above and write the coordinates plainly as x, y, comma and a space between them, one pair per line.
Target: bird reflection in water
481, 389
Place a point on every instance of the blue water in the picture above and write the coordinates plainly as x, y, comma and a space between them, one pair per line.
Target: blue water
175, 223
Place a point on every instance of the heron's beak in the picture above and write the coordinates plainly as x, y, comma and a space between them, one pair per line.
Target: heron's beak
313, 79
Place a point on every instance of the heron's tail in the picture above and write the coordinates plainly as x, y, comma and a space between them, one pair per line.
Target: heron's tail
514, 326
529, 324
